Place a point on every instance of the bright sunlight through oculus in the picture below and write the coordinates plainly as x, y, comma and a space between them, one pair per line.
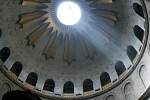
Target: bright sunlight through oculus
68, 13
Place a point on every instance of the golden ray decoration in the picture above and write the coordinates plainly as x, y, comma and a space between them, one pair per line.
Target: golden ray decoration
34, 37
52, 45
88, 49
44, 16
31, 16
70, 48
103, 1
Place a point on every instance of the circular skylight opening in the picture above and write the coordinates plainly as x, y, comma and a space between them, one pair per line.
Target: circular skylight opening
68, 13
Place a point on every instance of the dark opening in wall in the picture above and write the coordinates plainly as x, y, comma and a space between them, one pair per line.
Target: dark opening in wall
4, 54
68, 87
20, 95
87, 85
139, 32
120, 68
49, 85
32, 78
138, 9
105, 79
16, 68
131, 52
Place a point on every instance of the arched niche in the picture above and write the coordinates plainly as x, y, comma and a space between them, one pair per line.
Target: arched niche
144, 74
32, 79
110, 97
68, 87
49, 85
4, 54
131, 52
120, 67
139, 32
129, 91
16, 68
88, 85
105, 79
138, 9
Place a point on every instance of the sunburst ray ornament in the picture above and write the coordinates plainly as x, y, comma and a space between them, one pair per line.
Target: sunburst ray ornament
66, 20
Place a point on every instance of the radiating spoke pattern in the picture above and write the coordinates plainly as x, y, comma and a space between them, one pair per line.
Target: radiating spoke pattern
45, 16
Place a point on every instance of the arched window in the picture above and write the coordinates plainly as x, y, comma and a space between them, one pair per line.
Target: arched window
131, 52
87, 85
16, 68
49, 85
68, 87
120, 68
4, 54
32, 78
105, 78
138, 9
139, 32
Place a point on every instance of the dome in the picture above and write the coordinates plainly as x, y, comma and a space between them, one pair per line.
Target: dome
75, 49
